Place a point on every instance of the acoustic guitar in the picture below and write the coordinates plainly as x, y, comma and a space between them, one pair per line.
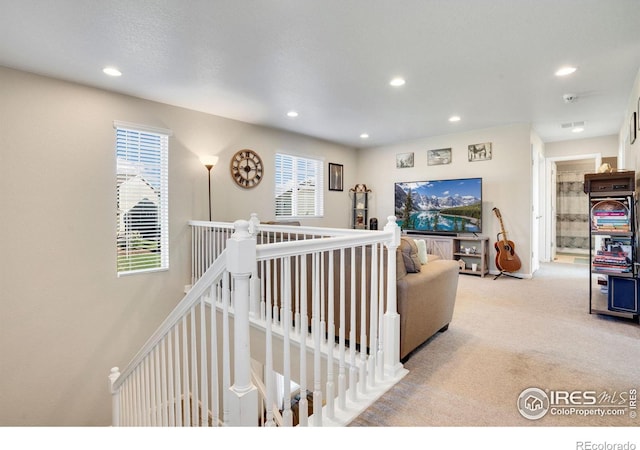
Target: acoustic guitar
506, 259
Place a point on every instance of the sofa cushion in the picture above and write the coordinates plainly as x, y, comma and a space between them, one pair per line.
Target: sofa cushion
401, 271
409, 251
422, 251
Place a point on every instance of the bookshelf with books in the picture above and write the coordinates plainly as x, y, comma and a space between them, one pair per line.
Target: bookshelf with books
613, 246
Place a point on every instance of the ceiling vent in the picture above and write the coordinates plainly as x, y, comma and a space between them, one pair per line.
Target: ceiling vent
572, 124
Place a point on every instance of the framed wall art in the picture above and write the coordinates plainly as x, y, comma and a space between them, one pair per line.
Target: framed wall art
336, 175
633, 127
404, 160
439, 157
480, 152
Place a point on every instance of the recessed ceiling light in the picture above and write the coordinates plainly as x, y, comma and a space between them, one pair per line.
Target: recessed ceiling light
564, 71
112, 71
364, 136
454, 119
292, 114
577, 129
398, 81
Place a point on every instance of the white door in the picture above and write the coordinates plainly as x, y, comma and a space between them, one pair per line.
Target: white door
552, 215
535, 209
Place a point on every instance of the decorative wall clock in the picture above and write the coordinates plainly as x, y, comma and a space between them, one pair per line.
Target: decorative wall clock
246, 168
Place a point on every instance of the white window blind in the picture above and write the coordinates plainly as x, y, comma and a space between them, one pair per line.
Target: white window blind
299, 186
142, 199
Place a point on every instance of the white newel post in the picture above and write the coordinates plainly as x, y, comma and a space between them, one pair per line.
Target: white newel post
243, 398
115, 397
391, 317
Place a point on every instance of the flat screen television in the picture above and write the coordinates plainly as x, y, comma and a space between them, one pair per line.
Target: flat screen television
440, 206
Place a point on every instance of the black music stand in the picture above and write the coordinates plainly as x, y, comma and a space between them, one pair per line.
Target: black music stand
506, 274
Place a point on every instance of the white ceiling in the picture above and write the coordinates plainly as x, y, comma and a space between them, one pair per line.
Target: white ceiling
492, 62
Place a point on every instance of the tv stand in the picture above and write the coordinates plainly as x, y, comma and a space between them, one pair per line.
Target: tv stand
472, 250
468, 250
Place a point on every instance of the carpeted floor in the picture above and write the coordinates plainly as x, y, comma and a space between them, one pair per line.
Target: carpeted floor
508, 335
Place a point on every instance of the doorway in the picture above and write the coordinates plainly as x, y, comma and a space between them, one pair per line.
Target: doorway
566, 205
569, 229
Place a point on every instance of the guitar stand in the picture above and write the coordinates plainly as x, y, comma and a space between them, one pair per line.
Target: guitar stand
506, 274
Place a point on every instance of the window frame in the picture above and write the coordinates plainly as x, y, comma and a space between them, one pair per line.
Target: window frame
285, 181
142, 159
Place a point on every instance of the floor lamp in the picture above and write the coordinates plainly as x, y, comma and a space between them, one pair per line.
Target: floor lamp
209, 162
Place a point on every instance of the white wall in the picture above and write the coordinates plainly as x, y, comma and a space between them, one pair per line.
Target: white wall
65, 317
506, 178
629, 152
605, 145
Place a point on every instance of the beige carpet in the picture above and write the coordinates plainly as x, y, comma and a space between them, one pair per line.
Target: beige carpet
508, 335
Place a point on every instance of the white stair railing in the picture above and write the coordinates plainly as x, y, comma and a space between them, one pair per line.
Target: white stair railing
305, 302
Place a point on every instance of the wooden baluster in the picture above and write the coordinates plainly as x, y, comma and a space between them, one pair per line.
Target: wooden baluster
373, 315
186, 397
303, 411
263, 313
171, 395
164, 415
179, 407
125, 404
296, 301
157, 395
331, 339
226, 352
277, 290
194, 370
286, 415
317, 376
194, 234
215, 401
353, 371
363, 322
269, 385
342, 381
147, 392
381, 294
204, 394
321, 282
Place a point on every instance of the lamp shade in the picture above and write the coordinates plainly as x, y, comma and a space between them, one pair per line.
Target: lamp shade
209, 160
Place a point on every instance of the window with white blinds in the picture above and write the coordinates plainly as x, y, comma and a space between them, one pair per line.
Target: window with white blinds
142, 156
299, 187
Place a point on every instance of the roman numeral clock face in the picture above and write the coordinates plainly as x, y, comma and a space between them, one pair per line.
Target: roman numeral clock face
246, 168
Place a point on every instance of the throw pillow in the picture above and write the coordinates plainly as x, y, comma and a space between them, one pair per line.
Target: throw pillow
422, 251
409, 251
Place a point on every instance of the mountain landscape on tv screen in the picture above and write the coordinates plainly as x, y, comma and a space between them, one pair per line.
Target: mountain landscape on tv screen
448, 206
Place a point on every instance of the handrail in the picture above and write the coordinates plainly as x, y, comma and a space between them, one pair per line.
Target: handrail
298, 229
212, 275
293, 248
